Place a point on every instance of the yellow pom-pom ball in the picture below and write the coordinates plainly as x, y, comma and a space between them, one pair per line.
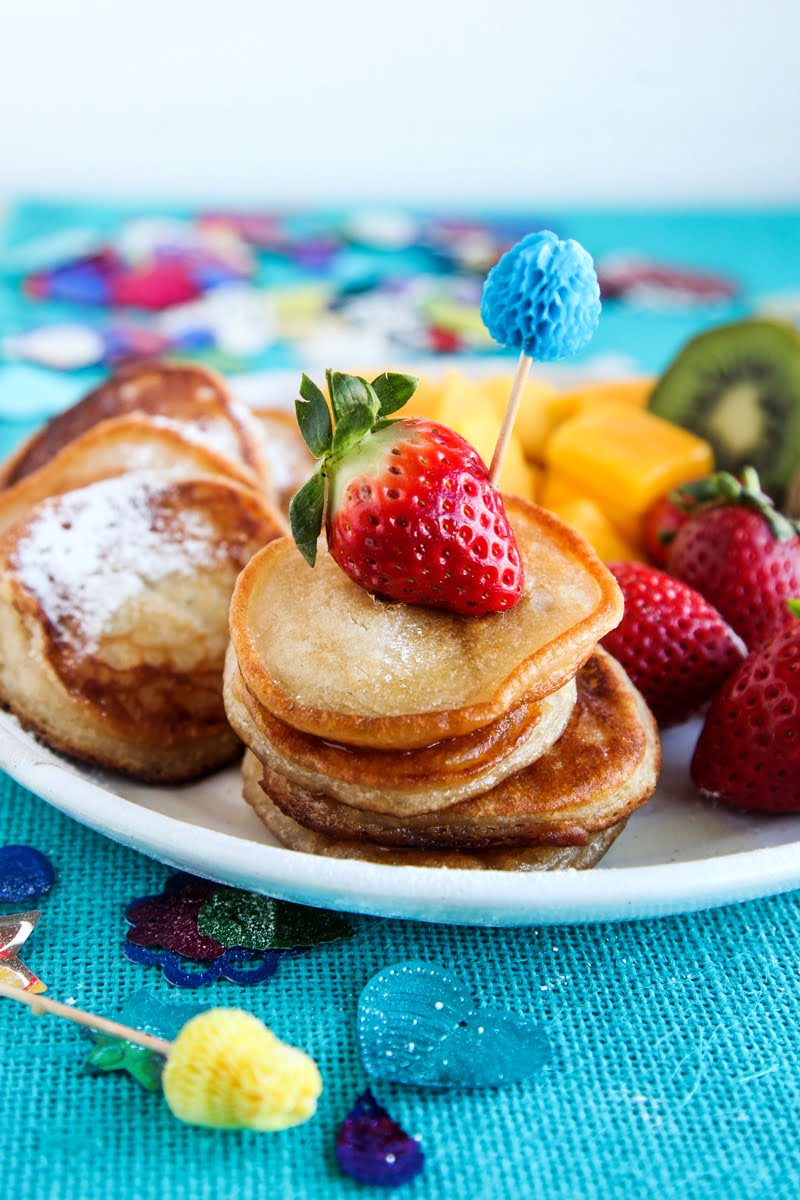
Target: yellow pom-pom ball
228, 1071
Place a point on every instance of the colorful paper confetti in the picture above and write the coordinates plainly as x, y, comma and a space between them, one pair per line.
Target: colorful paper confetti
14, 932
417, 1024
24, 873
374, 1149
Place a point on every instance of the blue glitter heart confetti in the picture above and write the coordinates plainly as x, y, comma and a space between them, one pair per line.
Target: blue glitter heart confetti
24, 873
418, 1024
374, 1149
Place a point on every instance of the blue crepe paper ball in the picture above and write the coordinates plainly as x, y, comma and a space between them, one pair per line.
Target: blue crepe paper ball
542, 297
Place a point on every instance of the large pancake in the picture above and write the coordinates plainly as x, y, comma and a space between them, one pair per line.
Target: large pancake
194, 398
399, 781
130, 443
289, 463
113, 619
325, 656
605, 766
517, 858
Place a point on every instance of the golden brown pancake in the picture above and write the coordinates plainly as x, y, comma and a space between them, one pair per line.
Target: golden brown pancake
130, 443
399, 781
326, 657
113, 619
289, 463
517, 858
194, 398
605, 766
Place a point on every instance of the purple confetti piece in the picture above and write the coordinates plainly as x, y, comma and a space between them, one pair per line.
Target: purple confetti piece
374, 1149
168, 921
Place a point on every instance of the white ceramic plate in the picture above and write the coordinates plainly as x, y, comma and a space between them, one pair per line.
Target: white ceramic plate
676, 855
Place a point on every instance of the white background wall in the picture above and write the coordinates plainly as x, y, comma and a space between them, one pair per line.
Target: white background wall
571, 100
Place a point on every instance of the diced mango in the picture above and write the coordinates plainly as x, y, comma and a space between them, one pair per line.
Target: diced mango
627, 457
541, 410
558, 489
589, 519
619, 391
464, 407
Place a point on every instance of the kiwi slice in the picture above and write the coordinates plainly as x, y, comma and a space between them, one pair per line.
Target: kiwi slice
738, 386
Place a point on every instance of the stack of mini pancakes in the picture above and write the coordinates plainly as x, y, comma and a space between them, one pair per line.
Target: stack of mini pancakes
409, 735
123, 525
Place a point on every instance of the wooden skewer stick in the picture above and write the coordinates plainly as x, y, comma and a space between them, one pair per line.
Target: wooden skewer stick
41, 1004
510, 416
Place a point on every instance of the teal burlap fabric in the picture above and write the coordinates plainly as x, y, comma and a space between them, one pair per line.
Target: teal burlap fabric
675, 1071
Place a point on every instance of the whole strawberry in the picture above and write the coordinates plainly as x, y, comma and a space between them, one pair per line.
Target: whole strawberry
410, 513
666, 515
676, 648
740, 553
748, 754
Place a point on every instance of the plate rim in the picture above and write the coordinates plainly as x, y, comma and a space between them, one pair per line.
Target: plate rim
480, 898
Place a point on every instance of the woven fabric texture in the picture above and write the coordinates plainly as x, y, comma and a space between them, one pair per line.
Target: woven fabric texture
675, 1070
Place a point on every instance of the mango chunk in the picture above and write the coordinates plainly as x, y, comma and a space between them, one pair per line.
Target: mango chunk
541, 410
635, 392
626, 458
589, 519
463, 406
557, 489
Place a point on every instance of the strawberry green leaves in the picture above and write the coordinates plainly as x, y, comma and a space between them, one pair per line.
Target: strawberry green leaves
393, 391
306, 512
358, 409
313, 418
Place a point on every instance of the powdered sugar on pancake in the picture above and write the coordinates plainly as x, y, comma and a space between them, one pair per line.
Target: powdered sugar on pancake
87, 554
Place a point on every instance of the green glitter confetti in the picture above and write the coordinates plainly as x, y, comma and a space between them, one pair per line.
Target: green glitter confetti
262, 923
111, 1054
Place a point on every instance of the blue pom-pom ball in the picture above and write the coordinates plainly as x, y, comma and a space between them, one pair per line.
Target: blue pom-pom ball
542, 297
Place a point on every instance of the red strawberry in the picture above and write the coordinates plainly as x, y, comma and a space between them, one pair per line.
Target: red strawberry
411, 514
676, 648
659, 525
748, 754
742, 555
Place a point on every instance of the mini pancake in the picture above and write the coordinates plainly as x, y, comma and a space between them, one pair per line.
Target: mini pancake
519, 858
399, 781
605, 766
113, 619
289, 463
194, 398
130, 443
326, 657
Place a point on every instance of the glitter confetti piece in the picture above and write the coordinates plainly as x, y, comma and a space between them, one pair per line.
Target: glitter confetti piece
168, 921
143, 1010
236, 918
245, 967
417, 1024
15, 930
24, 873
374, 1149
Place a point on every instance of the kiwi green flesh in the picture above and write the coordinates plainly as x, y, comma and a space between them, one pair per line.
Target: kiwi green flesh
738, 386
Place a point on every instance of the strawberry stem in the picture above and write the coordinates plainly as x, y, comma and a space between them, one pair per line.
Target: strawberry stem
724, 489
